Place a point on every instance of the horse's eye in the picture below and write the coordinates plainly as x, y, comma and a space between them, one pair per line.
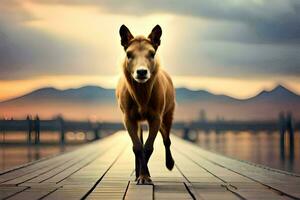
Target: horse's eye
129, 55
151, 54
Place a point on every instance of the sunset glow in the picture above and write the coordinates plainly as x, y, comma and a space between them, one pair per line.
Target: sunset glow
233, 87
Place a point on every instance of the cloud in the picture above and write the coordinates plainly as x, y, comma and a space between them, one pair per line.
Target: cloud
244, 60
269, 21
238, 60
232, 38
26, 51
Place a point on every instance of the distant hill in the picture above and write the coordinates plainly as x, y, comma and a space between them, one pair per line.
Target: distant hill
99, 103
278, 94
82, 94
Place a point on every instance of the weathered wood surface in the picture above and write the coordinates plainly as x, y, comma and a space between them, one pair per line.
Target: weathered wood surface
105, 170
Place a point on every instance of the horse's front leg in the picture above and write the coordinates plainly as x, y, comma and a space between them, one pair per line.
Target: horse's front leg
154, 125
132, 128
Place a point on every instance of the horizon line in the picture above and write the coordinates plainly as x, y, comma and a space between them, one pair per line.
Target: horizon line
276, 85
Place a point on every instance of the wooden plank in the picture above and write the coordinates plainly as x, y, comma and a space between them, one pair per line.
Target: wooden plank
254, 191
44, 170
97, 171
109, 189
6, 191
230, 177
157, 167
167, 184
99, 161
171, 190
202, 184
220, 173
192, 171
68, 192
236, 172
80, 183
10, 175
33, 193
213, 191
32, 168
50, 185
136, 192
58, 174
62, 174
115, 182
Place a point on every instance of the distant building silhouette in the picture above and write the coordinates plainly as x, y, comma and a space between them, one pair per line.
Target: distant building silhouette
202, 116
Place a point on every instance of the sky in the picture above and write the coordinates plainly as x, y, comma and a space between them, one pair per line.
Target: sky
237, 47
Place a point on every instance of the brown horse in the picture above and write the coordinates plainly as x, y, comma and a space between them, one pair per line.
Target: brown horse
145, 93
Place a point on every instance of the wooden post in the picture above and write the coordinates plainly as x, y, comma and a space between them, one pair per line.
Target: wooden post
62, 130
97, 131
37, 130
290, 130
282, 127
29, 123
186, 130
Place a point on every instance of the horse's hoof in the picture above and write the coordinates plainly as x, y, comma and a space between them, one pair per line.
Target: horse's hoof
144, 180
136, 178
170, 163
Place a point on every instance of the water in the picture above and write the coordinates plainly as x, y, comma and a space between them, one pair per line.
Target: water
257, 147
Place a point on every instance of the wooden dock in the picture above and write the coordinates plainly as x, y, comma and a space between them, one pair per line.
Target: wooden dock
105, 170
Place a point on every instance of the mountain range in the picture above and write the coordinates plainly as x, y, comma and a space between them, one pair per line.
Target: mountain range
94, 102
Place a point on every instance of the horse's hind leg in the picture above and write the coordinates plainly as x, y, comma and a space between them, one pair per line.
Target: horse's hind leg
165, 132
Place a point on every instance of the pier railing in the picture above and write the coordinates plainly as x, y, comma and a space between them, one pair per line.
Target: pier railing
285, 124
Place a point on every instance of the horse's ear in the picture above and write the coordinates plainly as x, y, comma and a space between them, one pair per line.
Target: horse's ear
155, 36
126, 36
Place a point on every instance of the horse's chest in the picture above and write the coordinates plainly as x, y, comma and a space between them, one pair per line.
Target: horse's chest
140, 112
141, 108
143, 112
